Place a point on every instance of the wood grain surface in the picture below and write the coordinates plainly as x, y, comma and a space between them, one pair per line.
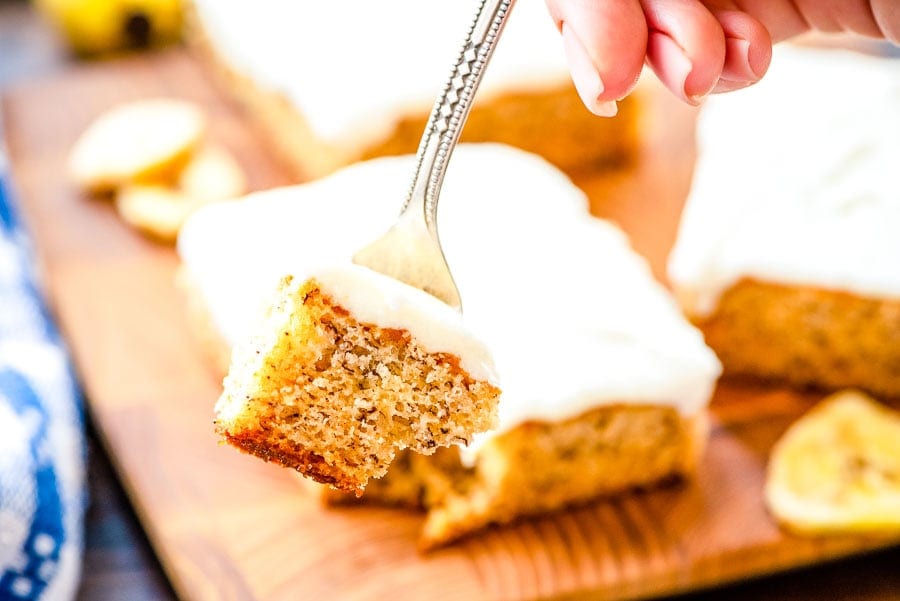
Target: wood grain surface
229, 526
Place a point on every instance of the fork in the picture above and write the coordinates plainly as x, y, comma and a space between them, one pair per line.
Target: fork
410, 251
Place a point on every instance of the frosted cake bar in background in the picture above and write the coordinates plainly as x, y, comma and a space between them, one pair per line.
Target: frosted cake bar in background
332, 84
788, 254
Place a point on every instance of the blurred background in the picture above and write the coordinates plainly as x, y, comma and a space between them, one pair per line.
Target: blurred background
46, 38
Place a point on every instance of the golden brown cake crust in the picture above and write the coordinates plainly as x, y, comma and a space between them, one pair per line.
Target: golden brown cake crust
308, 463
808, 337
400, 487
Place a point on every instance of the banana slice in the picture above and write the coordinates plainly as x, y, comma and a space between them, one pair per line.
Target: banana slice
213, 174
146, 140
157, 211
837, 469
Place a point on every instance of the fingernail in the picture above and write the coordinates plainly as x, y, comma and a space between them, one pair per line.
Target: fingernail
584, 74
737, 61
672, 59
608, 108
726, 85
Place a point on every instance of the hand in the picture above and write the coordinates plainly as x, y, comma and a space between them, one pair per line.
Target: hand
696, 47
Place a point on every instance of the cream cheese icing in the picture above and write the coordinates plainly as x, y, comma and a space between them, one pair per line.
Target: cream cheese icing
352, 69
572, 316
796, 181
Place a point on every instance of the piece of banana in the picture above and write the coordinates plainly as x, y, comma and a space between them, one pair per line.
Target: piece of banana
159, 210
837, 469
145, 140
155, 210
212, 174
92, 27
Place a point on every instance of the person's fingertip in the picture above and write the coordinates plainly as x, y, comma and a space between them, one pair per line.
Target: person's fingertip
608, 108
748, 46
585, 75
884, 12
745, 60
737, 65
760, 56
674, 68
697, 99
726, 85
605, 44
699, 85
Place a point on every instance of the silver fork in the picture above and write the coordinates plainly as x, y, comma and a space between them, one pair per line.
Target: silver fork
411, 251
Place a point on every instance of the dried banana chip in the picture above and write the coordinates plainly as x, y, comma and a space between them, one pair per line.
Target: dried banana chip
212, 174
837, 469
158, 211
145, 140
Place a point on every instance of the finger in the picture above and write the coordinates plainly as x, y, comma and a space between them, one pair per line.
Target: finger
686, 46
782, 18
842, 15
605, 44
887, 16
748, 50
787, 18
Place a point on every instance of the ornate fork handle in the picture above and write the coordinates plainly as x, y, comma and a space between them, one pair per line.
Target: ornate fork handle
410, 251
452, 108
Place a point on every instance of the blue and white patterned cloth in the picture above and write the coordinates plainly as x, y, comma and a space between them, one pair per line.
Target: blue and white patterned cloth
42, 447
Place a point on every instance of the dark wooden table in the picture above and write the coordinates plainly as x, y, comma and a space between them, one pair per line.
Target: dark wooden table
119, 562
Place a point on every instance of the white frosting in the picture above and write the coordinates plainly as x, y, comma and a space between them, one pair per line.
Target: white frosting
352, 69
797, 181
572, 316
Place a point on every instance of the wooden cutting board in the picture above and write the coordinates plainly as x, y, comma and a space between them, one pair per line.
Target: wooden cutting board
229, 526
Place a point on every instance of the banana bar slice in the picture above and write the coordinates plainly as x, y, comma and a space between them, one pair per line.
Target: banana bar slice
348, 368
